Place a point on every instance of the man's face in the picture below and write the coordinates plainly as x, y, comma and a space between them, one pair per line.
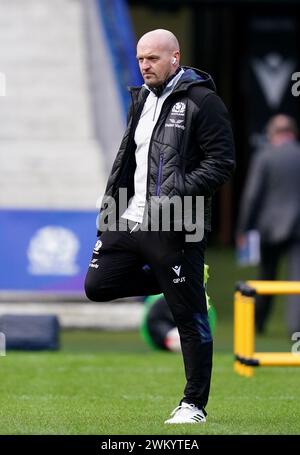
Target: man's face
281, 131
155, 63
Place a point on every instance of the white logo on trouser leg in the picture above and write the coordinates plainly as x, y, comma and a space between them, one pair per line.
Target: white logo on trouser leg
177, 269
97, 246
94, 264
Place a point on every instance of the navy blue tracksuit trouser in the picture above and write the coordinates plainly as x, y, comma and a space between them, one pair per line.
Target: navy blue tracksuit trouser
139, 263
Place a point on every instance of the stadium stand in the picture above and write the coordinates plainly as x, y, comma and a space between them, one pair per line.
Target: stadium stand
60, 124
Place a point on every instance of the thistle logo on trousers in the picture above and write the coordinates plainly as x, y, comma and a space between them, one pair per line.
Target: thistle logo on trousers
177, 269
97, 247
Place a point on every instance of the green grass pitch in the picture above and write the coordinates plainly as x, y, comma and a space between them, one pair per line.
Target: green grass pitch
109, 383
112, 383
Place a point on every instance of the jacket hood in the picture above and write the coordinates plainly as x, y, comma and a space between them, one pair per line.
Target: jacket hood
193, 76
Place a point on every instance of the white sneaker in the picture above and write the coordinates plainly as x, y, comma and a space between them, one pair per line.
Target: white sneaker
187, 413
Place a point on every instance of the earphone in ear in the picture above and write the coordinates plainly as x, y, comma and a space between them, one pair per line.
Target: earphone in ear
174, 61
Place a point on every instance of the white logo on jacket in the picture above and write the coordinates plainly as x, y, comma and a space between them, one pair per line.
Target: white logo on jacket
175, 124
178, 108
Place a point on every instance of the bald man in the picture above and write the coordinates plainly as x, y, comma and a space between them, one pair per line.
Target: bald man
176, 152
158, 56
270, 204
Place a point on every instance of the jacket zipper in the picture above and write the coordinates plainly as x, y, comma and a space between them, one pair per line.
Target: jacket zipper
160, 168
167, 101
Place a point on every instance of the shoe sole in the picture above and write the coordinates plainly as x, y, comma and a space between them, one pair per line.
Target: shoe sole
182, 423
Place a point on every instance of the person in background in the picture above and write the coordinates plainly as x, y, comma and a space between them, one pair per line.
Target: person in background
271, 205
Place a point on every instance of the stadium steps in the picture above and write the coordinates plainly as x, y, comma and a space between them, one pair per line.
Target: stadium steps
50, 156
50, 174
119, 315
74, 310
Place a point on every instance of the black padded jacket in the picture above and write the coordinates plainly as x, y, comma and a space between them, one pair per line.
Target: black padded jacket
191, 150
